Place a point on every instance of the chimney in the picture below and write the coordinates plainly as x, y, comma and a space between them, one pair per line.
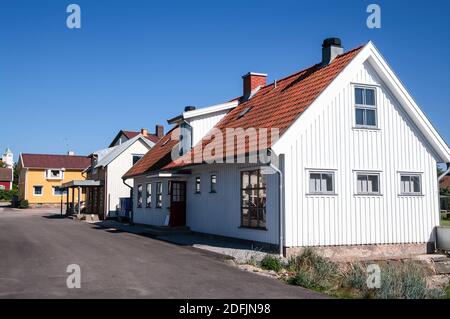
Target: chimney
189, 108
331, 48
144, 131
159, 131
252, 81
71, 153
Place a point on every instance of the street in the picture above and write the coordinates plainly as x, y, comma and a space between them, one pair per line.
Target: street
36, 247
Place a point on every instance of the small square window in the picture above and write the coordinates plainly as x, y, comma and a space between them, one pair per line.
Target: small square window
37, 190
321, 183
365, 107
197, 184
411, 184
368, 184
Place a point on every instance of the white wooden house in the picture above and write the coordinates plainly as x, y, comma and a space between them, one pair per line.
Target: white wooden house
355, 172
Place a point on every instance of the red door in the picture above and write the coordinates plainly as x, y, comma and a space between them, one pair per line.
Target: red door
177, 204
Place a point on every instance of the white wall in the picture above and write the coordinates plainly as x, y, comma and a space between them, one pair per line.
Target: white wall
220, 213
151, 216
116, 169
324, 138
201, 125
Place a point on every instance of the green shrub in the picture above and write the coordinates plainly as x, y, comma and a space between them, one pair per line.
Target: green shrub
270, 262
7, 195
23, 204
313, 271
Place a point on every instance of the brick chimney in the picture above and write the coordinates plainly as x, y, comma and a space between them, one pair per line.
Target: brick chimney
252, 81
144, 131
159, 131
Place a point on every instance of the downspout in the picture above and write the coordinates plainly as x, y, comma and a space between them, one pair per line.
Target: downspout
444, 174
131, 199
280, 208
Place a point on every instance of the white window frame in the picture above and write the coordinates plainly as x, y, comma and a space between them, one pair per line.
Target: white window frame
368, 173
333, 182
48, 173
34, 190
142, 195
211, 183
159, 192
366, 107
147, 205
199, 184
408, 174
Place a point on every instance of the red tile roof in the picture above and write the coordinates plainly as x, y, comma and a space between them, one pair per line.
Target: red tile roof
46, 161
445, 183
6, 174
151, 137
275, 107
158, 156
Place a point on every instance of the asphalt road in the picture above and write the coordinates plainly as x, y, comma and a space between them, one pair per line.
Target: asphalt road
36, 248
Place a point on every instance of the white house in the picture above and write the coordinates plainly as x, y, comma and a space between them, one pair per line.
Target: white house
108, 166
353, 170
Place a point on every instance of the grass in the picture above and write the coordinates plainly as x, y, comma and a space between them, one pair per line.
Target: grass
270, 262
445, 222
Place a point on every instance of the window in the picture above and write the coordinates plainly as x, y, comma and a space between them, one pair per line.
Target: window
158, 194
148, 194
321, 183
213, 183
54, 174
136, 158
410, 184
368, 184
59, 191
253, 199
37, 190
197, 185
365, 107
139, 196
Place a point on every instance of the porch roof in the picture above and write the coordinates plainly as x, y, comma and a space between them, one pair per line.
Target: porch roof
82, 183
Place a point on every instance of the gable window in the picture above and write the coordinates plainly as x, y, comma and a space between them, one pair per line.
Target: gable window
410, 184
139, 196
197, 185
321, 183
54, 174
59, 191
148, 194
365, 107
136, 158
213, 183
253, 199
158, 194
38, 190
368, 184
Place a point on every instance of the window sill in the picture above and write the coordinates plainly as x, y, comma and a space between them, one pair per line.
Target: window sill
253, 228
213, 192
321, 194
366, 128
411, 195
197, 193
368, 195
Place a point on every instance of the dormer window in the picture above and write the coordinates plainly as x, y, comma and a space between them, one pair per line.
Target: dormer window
365, 107
54, 174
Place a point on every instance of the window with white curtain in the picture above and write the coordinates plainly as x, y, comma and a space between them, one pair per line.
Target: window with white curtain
321, 182
368, 183
410, 184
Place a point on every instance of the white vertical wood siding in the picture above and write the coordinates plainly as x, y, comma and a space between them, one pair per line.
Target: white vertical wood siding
201, 125
150, 216
116, 169
220, 213
327, 140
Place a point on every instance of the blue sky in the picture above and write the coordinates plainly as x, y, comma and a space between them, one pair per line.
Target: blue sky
137, 63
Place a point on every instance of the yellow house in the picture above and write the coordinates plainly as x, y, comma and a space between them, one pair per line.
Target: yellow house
41, 177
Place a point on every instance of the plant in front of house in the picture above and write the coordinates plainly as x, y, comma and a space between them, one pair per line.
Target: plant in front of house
23, 204
270, 262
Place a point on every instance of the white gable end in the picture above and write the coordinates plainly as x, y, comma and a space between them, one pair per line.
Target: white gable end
325, 138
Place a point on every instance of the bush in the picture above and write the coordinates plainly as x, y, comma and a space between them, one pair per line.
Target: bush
313, 271
270, 262
23, 204
7, 195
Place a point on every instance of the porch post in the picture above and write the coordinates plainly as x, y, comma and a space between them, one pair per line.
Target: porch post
73, 200
79, 200
67, 200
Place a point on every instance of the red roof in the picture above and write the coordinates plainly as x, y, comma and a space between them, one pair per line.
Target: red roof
158, 156
271, 107
445, 183
130, 134
6, 174
47, 161
275, 107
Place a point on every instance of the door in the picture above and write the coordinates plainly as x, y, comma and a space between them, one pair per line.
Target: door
177, 204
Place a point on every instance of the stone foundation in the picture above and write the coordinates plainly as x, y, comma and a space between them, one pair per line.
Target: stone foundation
365, 252
50, 205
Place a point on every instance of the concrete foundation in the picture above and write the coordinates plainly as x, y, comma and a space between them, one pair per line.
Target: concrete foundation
365, 252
